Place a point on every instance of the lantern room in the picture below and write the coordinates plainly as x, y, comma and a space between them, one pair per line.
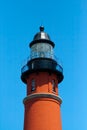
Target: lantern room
42, 57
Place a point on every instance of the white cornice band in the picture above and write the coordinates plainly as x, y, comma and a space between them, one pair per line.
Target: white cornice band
42, 95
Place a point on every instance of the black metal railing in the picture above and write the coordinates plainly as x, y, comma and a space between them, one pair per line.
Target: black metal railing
42, 64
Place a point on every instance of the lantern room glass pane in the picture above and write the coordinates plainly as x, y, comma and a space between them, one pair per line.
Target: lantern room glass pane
42, 50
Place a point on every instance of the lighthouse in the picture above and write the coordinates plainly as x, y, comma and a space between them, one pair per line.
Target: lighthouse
42, 74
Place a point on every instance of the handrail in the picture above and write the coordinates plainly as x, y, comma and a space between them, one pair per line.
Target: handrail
46, 56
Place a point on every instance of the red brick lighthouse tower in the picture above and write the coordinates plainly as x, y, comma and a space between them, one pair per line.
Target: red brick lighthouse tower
42, 74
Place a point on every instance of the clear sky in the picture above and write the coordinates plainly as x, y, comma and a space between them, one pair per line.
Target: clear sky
66, 23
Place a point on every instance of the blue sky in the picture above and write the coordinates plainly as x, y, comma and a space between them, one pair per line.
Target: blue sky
66, 23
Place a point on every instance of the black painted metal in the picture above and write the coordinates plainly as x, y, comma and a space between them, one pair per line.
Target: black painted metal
41, 37
42, 65
41, 41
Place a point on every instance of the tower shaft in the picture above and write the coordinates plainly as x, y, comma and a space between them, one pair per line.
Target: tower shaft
42, 107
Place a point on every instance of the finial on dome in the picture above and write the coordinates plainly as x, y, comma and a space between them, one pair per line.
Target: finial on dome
41, 28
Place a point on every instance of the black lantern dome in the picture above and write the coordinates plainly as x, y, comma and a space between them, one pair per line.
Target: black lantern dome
42, 57
41, 35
